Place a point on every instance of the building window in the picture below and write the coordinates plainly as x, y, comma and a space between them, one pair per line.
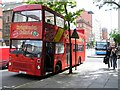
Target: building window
81, 25
84, 26
0, 5
8, 19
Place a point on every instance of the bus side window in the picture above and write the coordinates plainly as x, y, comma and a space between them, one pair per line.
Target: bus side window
48, 21
49, 18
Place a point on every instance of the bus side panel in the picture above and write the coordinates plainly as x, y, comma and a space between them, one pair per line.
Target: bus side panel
60, 58
80, 53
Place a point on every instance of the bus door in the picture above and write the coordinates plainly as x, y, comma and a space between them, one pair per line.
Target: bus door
67, 54
49, 56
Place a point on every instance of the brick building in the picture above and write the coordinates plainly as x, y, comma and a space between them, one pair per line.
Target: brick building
104, 34
7, 17
1, 40
84, 21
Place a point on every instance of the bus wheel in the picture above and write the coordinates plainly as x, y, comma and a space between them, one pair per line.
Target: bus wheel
58, 68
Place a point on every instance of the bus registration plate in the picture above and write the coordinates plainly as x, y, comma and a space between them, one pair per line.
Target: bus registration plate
22, 72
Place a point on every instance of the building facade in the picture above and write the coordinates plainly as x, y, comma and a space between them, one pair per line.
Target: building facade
1, 40
7, 17
84, 21
104, 34
97, 30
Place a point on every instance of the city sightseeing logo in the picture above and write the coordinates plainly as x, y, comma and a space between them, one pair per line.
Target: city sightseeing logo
25, 30
35, 33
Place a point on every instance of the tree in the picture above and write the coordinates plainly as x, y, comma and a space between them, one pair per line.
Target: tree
116, 36
101, 3
62, 8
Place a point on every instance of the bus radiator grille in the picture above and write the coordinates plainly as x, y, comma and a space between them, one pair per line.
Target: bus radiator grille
22, 66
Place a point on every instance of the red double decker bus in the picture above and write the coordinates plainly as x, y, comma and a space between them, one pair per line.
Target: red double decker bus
39, 43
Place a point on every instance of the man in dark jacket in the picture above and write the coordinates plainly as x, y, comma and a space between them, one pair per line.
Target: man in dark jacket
108, 53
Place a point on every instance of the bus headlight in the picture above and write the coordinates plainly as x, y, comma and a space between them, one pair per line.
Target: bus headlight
10, 63
38, 67
38, 61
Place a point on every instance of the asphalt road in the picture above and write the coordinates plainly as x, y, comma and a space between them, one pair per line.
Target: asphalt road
11, 80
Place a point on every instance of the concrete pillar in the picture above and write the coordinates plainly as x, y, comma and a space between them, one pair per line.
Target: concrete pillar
119, 18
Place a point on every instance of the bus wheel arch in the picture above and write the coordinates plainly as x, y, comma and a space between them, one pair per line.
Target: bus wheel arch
58, 66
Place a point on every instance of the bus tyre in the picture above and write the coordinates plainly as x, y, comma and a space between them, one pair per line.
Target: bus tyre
57, 68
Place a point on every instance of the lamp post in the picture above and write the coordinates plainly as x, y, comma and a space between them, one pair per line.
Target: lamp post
119, 18
75, 35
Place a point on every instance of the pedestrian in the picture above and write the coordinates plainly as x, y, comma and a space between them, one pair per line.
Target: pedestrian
114, 57
108, 53
118, 52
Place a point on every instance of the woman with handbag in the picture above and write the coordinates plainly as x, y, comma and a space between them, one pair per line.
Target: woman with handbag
114, 57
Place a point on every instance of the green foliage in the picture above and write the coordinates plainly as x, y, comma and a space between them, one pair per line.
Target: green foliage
115, 35
117, 38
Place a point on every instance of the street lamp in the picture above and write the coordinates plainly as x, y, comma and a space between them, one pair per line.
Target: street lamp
75, 35
112, 2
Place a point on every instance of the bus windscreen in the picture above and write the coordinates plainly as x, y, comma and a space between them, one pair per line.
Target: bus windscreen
101, 45
26, 47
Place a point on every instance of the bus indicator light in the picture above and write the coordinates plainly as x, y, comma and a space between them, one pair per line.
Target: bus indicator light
10, 63
38, 67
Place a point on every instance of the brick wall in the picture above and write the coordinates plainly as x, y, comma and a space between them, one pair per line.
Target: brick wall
84, 21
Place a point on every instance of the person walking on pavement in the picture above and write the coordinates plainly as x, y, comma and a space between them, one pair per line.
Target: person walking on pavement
108, 53
114, 57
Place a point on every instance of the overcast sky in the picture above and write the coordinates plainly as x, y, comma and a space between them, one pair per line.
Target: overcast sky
107, 18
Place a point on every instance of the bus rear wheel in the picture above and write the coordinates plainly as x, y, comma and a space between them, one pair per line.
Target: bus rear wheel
57, 68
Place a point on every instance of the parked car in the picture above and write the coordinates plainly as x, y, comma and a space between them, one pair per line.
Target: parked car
4, 56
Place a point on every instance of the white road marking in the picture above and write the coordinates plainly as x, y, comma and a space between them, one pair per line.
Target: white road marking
4, 70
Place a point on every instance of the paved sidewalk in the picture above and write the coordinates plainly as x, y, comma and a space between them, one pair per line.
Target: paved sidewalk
90, 53
88, 75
